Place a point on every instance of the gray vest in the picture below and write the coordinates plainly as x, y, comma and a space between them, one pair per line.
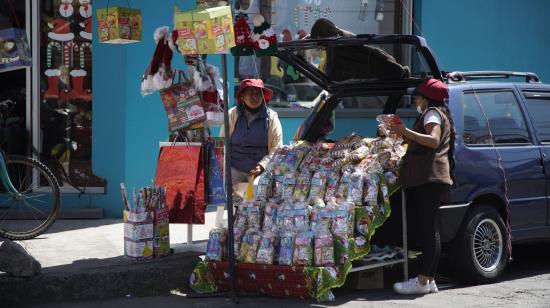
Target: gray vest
249, 141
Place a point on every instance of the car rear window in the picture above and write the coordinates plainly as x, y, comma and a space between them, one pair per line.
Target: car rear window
538, 105
493, 118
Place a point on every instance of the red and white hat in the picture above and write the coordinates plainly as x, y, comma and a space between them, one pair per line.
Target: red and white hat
61, 30
87, 32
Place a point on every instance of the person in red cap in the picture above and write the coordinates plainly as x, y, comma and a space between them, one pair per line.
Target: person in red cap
426, 176
254, 129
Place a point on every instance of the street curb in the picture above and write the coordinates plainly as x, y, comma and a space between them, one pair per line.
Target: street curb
92, 281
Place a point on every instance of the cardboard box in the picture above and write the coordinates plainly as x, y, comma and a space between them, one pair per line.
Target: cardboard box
362, 280
14, 47
119, 25
161, 232
207, 31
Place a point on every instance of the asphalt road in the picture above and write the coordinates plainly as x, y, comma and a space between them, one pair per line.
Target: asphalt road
526, 283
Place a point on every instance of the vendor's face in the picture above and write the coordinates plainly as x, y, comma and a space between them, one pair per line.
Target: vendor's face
421, 101
252, 97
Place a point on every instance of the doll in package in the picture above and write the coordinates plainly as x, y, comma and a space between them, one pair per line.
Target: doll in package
249, 246
303, 249
266, 249
215, 246
286, 248
324, 250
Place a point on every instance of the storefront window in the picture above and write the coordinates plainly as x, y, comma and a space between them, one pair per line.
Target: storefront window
293, 19
66, 91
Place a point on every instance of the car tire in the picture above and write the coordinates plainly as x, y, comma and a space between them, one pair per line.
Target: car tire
479, 252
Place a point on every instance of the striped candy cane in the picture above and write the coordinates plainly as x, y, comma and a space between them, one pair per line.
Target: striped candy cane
49, 54
69, 49
83, 47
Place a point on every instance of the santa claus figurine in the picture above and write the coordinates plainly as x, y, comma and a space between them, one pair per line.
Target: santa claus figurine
243, 38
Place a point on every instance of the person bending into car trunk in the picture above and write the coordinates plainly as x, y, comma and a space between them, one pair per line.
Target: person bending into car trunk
254, 129
426, 176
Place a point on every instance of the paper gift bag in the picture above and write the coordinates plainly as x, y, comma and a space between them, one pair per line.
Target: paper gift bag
138, 234
182, 105
205, 31
14, 49
180, 171
119, 25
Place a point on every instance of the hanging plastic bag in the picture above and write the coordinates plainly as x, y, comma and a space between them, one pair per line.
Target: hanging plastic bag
249, 193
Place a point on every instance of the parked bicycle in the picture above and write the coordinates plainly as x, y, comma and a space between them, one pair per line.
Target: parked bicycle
29, 194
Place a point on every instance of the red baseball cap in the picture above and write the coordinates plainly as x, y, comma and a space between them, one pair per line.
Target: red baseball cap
433, 89
257, 83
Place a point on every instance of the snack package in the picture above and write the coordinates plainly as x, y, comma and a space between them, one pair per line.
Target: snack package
278, 184
286, 248
289, 181
332, 184
324, 251
249, 246
270, 215
254, 213
303, 249
355, 188
238, 235
318, 182
240, 217
266, 249
321, 217
301, 190
301, 216
265, 186
216, 243
343, 187
370, 191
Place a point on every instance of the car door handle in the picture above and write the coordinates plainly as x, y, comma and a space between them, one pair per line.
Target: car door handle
543, 155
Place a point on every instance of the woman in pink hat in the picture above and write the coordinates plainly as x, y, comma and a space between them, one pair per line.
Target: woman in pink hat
426, 176
254, 129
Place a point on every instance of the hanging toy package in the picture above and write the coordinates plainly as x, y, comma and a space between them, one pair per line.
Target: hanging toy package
324, 250
289, 182
270, 215
265, 186
301, 190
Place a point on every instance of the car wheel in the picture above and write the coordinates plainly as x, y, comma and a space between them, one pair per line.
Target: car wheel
479, 252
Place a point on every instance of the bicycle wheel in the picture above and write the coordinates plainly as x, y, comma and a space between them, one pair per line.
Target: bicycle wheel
34, 210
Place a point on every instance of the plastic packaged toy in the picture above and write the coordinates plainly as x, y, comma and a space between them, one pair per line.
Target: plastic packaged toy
324, 250
301, 190
266, 249
303, 249
215, 246
249, 246
286, 248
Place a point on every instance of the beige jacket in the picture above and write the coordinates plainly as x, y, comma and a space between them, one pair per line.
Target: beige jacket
274, 133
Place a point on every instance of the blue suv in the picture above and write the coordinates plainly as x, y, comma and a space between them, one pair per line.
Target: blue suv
502, 150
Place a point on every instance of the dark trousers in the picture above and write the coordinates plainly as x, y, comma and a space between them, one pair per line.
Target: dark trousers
423, 224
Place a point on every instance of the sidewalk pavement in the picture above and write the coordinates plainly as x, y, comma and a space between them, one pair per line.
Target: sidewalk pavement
83, 259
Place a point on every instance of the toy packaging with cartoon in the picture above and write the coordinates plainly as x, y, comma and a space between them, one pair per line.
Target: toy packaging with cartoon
119, 25
207, 31
14, 49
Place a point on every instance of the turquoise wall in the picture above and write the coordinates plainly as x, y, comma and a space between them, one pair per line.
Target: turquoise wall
488, 35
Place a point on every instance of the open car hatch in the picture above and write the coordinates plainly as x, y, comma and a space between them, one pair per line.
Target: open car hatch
363, 63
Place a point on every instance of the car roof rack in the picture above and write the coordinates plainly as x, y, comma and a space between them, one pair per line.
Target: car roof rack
454, 77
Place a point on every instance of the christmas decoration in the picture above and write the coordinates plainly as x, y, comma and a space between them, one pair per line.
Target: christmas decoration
264, 38
243, 37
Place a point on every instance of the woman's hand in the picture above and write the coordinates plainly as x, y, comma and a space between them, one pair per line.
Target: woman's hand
381, 130
397, 128
257, 170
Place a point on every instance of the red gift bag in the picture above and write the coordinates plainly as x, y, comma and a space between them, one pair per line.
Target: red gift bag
180, 170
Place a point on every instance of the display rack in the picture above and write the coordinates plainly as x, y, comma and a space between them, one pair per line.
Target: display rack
405, 254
